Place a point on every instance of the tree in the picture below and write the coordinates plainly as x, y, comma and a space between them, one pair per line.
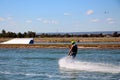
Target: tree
11, 35
101, 35
25, 34
19, 35
3, 33
31, 34
115, 34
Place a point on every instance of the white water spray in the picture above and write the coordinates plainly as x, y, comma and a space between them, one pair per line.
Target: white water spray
70, 63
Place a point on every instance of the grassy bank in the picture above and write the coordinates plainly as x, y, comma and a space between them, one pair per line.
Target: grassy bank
80, 39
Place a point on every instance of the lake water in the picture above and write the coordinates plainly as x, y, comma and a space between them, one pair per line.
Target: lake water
52, 64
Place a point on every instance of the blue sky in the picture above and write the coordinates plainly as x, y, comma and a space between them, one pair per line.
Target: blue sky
60, 15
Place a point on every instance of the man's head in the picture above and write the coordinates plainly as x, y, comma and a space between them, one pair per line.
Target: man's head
72, 42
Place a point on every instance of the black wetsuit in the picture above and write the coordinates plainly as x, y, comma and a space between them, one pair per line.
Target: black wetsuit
74, 51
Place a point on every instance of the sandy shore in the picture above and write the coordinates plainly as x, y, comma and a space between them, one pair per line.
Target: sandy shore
111, 39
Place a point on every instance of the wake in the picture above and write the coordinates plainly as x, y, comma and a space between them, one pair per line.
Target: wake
67, 62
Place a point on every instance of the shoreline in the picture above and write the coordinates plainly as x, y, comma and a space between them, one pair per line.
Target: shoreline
68, 40
80, 46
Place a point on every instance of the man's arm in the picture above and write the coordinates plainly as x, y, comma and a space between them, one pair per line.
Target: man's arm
70, 50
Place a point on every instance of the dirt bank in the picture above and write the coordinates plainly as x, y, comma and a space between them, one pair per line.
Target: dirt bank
78, 39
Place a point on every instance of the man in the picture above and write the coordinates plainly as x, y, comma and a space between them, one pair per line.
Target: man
73, 50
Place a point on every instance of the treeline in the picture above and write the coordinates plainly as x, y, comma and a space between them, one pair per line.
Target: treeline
9, 34
115, 34
29, 34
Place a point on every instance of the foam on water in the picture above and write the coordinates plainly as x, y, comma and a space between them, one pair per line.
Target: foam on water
67, 62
